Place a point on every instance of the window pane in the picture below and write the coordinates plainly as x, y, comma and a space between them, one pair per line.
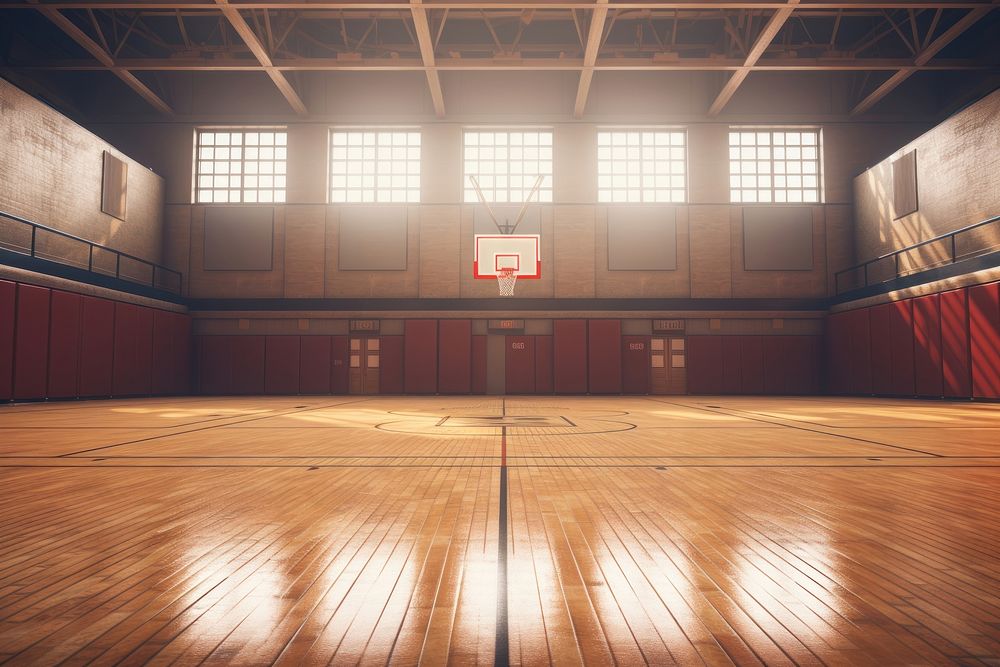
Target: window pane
506, 165
635, 166
767, 165
387, 165
219, 171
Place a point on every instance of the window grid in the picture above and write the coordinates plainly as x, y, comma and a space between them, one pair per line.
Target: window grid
372, 166
241, 165
774, 166
641, 166
507, 163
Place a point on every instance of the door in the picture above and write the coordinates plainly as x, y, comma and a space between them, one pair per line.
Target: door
365, 358
520, 363
668, 365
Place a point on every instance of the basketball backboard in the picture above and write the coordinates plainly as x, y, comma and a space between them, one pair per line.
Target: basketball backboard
496, 252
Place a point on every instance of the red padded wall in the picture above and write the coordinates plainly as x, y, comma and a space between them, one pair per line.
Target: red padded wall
182, 374
859, 352
927, 346
281, 365
215, 364
704, 365
314, 365
339, 365
520, 365
731, 365
97, 335
479, 364
751, 365
778, 363
247, 371
455, 356
64, 345
955, 371
31, 341
165, 352
390, 380
420, 357
543, 365
142, 379
604, 356
126, 349
984, 339
569, 363
901, 335
881, 350
7, 300
635, 364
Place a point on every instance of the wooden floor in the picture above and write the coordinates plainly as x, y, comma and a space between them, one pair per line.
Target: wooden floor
571, 530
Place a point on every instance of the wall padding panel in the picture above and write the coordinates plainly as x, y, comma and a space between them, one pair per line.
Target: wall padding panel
97, 336
881, 350
126, 349
984, 339
339, 365
247, 369
520, 372
777, 238
751, 365
479, 364
281, 365
31, 341
239, 238
956, 374
704, 365
143, 378
927, 346
390, 380
64, 345
7, 300
604, 356
455, 356
901, 335
171, 353
731, 365
570, 356
543, 365
314, 365
635, 364
859, 349
420, 357
215, 364
642, 238
372, 238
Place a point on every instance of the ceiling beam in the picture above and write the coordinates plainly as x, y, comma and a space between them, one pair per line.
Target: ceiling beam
507, 64
403, 5
594, 37
250, 38
103, 57
426, 45
920, 60
763, 41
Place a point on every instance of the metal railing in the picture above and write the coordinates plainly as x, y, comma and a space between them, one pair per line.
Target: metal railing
895, 255
160, 277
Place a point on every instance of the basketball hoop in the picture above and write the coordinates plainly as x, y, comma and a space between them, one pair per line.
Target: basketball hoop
506, 278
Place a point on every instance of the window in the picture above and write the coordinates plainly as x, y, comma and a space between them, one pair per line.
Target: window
779, 166
507, 163
241, 165
374, 166
636, 166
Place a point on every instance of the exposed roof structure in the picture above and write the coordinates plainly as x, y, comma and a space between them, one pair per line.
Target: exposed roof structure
884, 41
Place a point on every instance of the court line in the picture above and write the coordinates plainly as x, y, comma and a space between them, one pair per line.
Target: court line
501, 652
799, 428
206, 428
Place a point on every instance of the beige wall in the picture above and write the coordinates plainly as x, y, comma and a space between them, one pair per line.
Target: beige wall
710, 260
958, 184
51, 171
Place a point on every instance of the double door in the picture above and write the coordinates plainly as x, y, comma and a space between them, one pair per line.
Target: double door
667, 365
364, 361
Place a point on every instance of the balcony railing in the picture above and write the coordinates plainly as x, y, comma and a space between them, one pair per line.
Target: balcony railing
888, 267
42, 242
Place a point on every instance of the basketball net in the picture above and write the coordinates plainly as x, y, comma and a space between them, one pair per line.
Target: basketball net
506, 278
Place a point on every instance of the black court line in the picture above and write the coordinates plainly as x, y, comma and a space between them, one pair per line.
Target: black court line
206, 428
721, 411
501, 653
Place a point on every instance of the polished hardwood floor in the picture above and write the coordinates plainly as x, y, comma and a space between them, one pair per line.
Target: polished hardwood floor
626, 530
